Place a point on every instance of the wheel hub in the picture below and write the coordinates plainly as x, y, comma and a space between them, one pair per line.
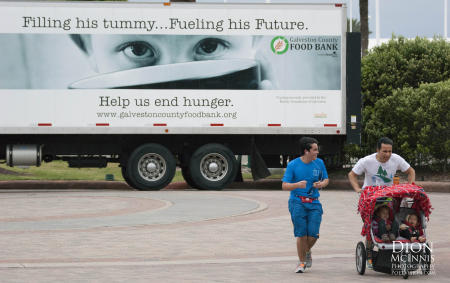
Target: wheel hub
214, 167
152, 167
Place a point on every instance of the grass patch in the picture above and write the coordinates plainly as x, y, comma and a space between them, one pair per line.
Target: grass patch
59, 170
248, 176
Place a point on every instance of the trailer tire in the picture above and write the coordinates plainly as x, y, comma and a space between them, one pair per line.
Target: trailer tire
212, 167
126, 177
150, 167
187, 177
123, 169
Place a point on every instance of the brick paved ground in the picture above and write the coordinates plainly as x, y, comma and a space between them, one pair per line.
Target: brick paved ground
183, 236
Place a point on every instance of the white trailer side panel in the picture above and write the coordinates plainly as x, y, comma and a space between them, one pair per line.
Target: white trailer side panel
179, 69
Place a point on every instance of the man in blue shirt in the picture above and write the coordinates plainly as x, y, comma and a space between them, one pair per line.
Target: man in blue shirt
304, 177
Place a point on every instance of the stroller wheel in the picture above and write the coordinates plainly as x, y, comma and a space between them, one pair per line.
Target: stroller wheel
404, 265
426, 265
360, 258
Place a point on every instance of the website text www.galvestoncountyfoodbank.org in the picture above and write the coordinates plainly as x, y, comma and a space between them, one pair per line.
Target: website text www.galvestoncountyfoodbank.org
175, 114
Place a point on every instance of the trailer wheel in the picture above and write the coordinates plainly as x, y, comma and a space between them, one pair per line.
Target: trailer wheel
187, 177
360, 258
126, 177
212, 167
150, 167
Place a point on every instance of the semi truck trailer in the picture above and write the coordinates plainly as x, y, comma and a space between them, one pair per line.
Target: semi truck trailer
157, 86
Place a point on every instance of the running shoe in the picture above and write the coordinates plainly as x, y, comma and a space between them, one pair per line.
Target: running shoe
308, 259
300, 268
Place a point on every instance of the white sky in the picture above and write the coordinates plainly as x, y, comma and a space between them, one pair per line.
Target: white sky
409, 18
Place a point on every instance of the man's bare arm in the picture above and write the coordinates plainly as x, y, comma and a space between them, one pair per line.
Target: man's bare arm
411, 175
292, 186
353, 178
321, 184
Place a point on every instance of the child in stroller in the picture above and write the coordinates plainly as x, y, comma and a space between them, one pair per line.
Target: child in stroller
411, 229
382, 226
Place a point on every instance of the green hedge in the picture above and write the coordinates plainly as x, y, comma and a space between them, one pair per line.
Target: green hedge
403, 63
418, 121
397, 102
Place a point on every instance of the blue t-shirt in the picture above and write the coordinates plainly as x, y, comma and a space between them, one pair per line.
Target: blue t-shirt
297, 171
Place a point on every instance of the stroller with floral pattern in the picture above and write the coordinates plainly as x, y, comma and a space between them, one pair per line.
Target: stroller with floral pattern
401, 256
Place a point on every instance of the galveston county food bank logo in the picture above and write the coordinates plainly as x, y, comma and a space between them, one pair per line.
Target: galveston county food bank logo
279, 45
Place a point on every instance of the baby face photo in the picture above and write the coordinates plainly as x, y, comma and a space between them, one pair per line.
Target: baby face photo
171, 62
106, 61
110, 53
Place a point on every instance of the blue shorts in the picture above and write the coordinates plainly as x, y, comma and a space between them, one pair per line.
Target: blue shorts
306, 218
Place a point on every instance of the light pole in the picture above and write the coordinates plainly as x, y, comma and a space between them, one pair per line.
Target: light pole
445, 18
351, 16
377, 21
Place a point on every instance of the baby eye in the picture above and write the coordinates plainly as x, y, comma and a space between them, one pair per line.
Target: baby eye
210, 47
138, 50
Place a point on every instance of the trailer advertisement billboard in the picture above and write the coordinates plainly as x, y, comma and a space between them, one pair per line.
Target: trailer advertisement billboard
86, 69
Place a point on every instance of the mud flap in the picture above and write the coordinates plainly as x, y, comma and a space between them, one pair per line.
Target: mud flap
258, 165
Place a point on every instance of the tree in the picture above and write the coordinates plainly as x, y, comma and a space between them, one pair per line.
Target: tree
364, 16
356, 25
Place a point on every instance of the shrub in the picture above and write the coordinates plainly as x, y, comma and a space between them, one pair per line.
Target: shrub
407, 64
418, 121
403, 63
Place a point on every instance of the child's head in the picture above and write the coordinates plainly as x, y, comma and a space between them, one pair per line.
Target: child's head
116, 52
382, 212
412, 219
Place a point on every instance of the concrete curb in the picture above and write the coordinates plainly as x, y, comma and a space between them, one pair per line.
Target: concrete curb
267, 184
63, 185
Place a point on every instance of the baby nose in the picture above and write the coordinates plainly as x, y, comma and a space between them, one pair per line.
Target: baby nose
173, 58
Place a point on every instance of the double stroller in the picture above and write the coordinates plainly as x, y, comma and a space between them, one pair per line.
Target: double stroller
400, 256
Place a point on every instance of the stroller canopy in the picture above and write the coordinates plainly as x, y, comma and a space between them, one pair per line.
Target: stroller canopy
369, 196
